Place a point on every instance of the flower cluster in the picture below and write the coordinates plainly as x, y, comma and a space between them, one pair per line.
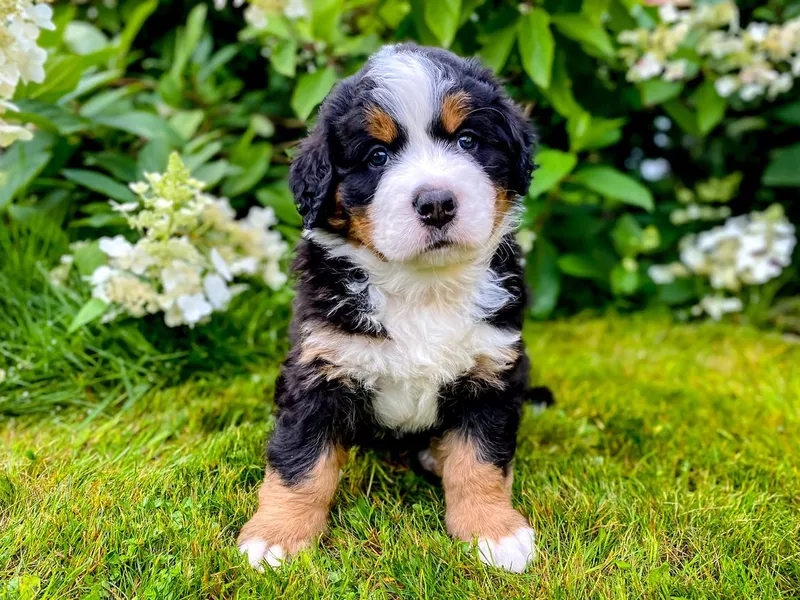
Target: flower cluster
258, 12
21, 59
747, 250
759, 60
190, 250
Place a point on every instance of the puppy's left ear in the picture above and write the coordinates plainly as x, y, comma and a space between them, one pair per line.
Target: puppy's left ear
522, 146
311, 176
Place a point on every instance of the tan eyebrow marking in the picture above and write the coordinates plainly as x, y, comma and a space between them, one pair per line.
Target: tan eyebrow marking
380, 125
455, 108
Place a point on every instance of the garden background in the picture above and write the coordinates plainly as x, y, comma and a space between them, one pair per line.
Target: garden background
145, 233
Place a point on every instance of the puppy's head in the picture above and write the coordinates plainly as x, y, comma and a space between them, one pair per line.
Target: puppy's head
420, 156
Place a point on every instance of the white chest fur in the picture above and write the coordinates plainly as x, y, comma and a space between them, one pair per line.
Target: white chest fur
436, 333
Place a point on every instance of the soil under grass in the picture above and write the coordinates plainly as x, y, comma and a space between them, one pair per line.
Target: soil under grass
670, 467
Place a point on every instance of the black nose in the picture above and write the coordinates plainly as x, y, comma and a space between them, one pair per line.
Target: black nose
435, 207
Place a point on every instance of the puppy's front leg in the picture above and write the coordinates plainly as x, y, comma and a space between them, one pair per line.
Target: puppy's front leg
478, 497
296, 495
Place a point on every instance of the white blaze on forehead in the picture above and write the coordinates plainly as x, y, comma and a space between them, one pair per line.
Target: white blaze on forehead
410, 87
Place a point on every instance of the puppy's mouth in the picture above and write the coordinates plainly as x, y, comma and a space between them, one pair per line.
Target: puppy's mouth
439, 245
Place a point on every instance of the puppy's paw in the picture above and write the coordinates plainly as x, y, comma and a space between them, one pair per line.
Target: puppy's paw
429, 462
512, 553
260, 552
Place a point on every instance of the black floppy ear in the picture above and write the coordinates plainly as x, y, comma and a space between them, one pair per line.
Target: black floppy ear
311, 176
522, 146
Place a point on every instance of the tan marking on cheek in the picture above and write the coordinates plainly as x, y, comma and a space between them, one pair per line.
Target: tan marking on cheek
455, 108
361, 227
338, 221
380, 125
478, 495
292, 515
503, 201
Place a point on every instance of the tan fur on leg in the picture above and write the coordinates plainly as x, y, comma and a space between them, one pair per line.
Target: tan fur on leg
478, 495
291, 516
478, 498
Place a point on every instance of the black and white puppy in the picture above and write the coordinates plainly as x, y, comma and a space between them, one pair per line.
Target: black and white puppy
409, 303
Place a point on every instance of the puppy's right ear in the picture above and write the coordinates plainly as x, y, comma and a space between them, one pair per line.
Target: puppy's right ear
311, 176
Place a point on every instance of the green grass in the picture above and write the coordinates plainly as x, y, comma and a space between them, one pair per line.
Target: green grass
670, 467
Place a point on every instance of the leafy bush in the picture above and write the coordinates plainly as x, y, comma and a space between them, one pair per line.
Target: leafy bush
653, 123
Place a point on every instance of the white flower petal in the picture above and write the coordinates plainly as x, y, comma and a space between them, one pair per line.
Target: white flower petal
217, 291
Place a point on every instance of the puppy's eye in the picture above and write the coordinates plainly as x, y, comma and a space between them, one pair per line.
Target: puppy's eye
467, 141
378, 157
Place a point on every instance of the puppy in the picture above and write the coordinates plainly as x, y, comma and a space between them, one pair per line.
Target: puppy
409, 303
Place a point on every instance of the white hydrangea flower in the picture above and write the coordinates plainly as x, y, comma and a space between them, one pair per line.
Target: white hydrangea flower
726, 85
295, 9
661, 274
191, 248
718, 306
116, 247
216, 291
21, 59
194, 308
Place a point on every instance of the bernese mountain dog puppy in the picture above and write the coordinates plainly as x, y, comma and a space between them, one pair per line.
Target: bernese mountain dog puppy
410, 300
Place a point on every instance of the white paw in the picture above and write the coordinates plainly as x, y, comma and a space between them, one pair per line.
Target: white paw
512, 553
427, 460
259, 553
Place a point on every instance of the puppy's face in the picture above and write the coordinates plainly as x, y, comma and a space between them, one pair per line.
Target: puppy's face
419, 157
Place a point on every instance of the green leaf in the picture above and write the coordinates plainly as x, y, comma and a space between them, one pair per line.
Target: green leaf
91, 311
789, 113
19, 166
153, 157
311, 89
441, 17
496, 50
280, 199
582, 30
536, 46
212, 173
84, 38
254, 162
595, 10
100, 183
560, 92
783, 171
611, 183
684, 117
658, 91
122, 167
133, 23
187, 122
89, 257
554, 166
624, 282
544, 278
627, 236
186, 41
143, 124
710, 107
580, 265
52, 117
284, 57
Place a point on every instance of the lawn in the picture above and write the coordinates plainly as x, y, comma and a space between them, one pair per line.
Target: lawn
670, 467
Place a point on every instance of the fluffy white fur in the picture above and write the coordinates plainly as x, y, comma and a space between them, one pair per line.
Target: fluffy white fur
258, 553
512, 553
433, 318
411, 88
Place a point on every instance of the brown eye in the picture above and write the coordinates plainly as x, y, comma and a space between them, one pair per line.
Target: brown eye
467, 141
378, 157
